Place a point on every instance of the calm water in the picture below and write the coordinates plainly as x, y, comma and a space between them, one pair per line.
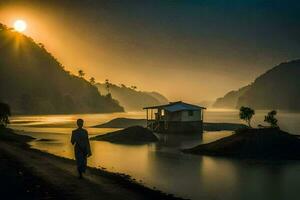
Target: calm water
163, 166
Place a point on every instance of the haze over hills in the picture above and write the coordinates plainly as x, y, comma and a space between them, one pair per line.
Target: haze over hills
231, 98
131, 98
278, 88
32, 81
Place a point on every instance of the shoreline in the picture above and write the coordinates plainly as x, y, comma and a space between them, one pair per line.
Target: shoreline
33, 160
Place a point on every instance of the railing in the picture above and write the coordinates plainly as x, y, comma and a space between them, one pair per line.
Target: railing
152, 125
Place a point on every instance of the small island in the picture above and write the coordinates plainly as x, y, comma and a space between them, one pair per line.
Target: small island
122, 123
131, 135
257, 143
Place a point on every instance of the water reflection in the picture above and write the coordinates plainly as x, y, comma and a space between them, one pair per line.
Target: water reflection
164, 166
68, 121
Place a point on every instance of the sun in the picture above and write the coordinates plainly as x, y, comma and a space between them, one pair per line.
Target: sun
20, 25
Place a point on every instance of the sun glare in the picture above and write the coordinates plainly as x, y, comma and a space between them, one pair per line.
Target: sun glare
20, 25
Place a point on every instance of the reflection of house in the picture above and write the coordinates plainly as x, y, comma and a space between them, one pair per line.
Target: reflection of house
175, 117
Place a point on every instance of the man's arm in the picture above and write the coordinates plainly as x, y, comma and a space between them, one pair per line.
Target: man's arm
89, 152
73, 138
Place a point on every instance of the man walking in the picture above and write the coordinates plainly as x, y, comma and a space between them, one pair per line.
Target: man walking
82, 148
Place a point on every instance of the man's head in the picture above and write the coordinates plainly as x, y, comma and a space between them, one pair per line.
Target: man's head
80, 123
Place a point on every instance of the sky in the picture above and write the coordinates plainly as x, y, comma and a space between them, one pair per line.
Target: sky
187, 50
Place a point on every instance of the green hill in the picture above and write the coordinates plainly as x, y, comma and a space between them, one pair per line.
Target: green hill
132, 99
32, 81
278, 88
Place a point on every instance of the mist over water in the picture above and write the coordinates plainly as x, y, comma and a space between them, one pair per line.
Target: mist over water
163, 166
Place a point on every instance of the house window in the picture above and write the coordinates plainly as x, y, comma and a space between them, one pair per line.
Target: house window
191, 113
162, 113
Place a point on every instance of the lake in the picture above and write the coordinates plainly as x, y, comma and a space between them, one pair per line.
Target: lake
163, 166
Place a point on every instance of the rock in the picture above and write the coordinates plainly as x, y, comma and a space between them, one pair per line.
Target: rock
131, 135
122, 123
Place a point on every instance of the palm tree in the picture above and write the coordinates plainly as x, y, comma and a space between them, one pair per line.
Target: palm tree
107, 85
270, 118
81, 73
92, 80
123, 85
133, 87
246, 114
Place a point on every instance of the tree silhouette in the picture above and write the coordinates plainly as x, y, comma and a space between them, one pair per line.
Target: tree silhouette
81, 73
107, 85
270, 118
41, 45
108, 96
133, 87
92, 80
4, 114
246, 114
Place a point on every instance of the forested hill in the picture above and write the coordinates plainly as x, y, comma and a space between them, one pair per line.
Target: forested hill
32, 81
131, 98
278, 88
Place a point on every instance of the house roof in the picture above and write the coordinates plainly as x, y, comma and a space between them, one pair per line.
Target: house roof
176, 106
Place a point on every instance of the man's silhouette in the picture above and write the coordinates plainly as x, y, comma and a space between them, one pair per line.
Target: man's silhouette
82, 148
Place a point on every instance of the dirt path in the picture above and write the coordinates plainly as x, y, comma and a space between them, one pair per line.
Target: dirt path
63, 175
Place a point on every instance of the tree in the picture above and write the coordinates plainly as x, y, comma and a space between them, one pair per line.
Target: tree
107, 85
92, 80
270, 118
133, 87
81, 73
4, 114
41, 45
246, 114
108, 96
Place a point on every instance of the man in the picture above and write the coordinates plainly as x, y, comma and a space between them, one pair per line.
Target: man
82, 148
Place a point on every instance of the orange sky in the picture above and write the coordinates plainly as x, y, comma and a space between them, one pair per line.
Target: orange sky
151, 56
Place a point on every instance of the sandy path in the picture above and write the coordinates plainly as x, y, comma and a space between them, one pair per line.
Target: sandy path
63, 176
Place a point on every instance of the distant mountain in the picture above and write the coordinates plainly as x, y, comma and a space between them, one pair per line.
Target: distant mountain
162, 99
278, 88
205, 103
132, 99
32, 81
231, 98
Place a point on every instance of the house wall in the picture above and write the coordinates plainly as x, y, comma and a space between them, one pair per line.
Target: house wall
184, 116
195, 117
173, 116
